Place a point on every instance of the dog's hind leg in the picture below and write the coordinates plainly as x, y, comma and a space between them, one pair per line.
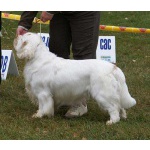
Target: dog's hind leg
112, 110
46, 105
105, 91
114, 116
123, 113
110, 106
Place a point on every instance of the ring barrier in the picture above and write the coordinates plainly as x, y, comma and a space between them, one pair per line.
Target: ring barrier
101, 27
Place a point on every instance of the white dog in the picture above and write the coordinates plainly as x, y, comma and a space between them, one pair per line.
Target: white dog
52, 81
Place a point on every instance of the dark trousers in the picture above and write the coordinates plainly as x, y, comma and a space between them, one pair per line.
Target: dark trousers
81, 29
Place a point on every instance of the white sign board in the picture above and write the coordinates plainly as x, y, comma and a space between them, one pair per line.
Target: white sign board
106, 48
8, 64
45, 38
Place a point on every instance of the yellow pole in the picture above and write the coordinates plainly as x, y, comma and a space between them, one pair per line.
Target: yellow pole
124, 29
17, 17
101, 27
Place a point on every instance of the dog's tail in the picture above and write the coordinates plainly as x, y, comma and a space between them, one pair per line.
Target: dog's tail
125, 98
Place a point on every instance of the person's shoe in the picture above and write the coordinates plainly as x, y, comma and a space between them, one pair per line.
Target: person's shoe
76, 111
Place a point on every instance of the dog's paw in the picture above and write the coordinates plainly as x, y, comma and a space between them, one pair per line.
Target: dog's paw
124, 117
109, 122
37, 115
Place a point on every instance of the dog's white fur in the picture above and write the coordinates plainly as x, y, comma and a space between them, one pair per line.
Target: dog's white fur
53, 81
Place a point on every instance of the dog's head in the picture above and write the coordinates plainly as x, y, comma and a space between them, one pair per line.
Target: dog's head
26, 45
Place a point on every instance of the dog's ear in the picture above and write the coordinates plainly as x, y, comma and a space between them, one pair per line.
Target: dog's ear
23, 44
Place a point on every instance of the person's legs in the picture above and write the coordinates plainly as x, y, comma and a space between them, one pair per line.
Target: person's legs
85, 32
60, 36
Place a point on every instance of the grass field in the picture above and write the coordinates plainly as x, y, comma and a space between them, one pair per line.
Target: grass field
133, 57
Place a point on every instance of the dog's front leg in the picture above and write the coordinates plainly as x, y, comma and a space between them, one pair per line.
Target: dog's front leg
46, 105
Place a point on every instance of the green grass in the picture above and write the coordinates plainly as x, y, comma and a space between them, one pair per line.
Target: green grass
16, 109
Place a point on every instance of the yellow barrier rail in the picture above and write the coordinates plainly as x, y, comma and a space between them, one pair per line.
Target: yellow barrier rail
101, 27
17, 17
124, 29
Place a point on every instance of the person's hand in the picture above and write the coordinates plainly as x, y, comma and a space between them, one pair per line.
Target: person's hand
46, 16
20, 31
